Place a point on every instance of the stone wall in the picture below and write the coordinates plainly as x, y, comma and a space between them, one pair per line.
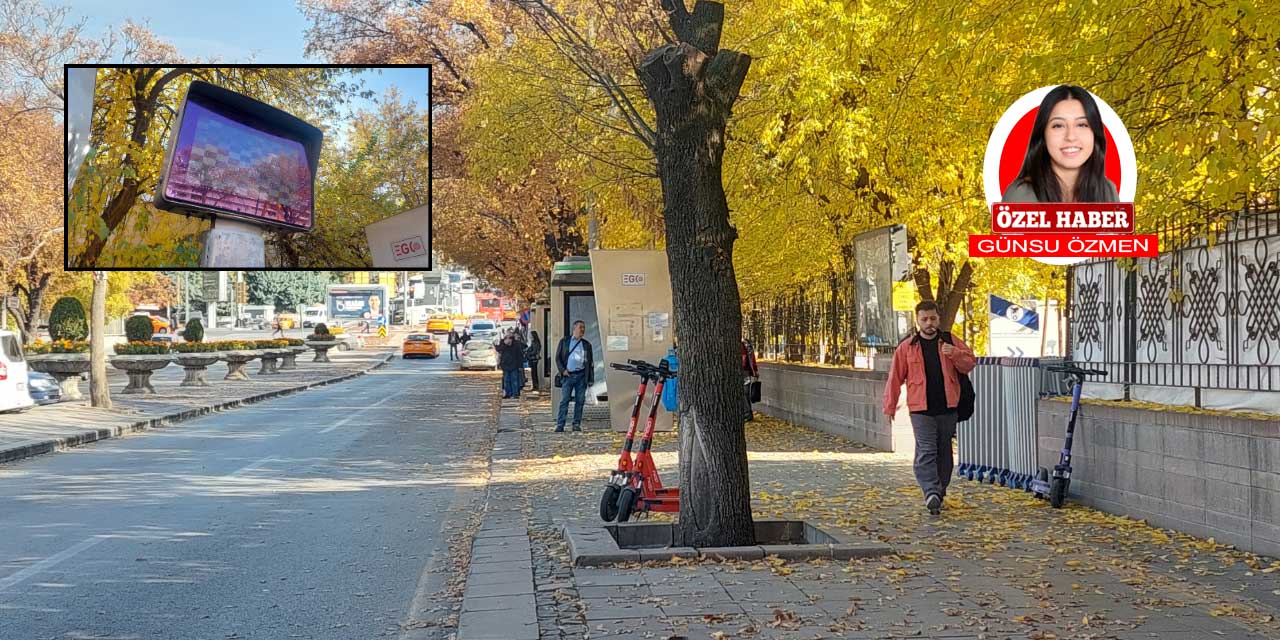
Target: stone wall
1206, 475
839, 401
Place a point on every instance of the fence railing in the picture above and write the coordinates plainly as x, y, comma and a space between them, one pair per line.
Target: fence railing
1205, 314
814, 323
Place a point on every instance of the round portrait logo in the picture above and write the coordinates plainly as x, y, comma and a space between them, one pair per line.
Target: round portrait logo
1078, 150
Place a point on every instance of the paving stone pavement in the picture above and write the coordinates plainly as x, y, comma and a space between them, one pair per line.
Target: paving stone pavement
996, 564
48, 428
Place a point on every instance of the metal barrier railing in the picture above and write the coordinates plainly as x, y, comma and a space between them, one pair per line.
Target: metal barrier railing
998, 444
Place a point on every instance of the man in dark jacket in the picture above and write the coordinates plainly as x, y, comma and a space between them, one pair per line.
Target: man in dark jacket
454, 340
576, 366
533, 355
511, 361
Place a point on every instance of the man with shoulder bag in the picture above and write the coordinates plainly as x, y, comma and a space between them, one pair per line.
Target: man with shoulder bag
934, 365
575, 371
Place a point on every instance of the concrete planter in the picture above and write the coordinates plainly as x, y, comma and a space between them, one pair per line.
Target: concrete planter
140, 369
289, 360
66, 368
270, 360
235, 363
322, 347
195, 364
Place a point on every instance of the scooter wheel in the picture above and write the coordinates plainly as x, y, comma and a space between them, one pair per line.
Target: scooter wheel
1058, 492
609, 503
626, 503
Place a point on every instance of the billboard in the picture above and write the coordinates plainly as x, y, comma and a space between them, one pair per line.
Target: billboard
357, 302
880, 260
233, 156
402, 241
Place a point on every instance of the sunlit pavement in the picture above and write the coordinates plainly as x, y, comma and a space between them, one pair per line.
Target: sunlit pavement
996, 564
325, 514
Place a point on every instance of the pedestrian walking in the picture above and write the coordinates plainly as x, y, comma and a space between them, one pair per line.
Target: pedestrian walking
575, 368
464, 338
931, 362
454, 341
277, 329
533, 355
750, 377
511, 361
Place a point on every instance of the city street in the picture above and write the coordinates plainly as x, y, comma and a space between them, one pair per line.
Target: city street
324, 514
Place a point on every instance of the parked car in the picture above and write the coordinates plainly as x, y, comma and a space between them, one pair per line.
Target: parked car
420, 344
478, 354
163, 337
348, 341
43, 388
14, 395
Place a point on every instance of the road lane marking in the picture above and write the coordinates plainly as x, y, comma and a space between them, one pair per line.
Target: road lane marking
251, 466
353, 416
49, 563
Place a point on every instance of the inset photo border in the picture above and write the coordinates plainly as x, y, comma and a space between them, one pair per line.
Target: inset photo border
238, 167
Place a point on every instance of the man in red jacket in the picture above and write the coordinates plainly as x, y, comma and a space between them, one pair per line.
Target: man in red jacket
930, 363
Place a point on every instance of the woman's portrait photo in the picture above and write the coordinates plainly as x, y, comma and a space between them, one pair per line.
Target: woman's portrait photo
1067, 153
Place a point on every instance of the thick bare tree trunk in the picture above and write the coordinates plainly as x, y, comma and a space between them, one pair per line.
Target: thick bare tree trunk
692, 87
99, 394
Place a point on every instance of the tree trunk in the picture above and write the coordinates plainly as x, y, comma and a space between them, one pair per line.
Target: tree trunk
99, 394
951, 289
692, 87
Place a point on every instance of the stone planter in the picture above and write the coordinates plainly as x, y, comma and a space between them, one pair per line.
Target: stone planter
195, 364
140, 369
66, 368
270, 360
322, 348
289, 360
235, 363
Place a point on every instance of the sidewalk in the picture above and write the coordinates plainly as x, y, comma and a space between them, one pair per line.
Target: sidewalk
996, 564
49, 428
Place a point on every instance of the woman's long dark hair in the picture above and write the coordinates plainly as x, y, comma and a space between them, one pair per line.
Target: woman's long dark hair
1037, 166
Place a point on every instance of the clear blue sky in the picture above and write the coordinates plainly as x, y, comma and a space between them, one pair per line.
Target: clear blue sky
243, 31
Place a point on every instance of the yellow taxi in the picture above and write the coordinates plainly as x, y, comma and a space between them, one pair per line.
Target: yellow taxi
439, 323
420, 345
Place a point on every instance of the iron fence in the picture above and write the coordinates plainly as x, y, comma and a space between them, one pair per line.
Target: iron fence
814, 323
1205, 314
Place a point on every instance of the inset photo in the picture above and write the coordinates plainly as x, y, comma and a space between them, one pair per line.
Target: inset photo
248, 167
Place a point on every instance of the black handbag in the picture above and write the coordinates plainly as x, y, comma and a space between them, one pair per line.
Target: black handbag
755, 391
558, 381
964, 410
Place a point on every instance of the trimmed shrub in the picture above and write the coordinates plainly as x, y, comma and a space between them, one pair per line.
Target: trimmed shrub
321, 329
194, 331
296, 342
67, 321
138, 329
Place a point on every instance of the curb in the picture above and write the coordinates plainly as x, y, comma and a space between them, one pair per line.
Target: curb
51, 445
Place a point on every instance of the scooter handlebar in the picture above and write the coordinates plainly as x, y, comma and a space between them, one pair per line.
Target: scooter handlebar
1074, 370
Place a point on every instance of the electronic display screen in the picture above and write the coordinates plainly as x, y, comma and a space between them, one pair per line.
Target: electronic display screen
220, 164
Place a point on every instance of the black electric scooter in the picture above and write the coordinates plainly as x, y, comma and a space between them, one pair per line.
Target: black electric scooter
1054, 486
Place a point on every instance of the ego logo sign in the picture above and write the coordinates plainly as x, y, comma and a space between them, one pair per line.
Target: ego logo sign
408, 248
633, 279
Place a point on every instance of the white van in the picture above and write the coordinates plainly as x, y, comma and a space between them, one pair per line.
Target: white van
311, 316
14, 395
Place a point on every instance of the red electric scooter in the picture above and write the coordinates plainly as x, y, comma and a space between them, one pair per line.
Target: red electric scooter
641, 489
617, 478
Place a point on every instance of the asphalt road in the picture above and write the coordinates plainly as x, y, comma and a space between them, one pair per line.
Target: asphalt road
318, 515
